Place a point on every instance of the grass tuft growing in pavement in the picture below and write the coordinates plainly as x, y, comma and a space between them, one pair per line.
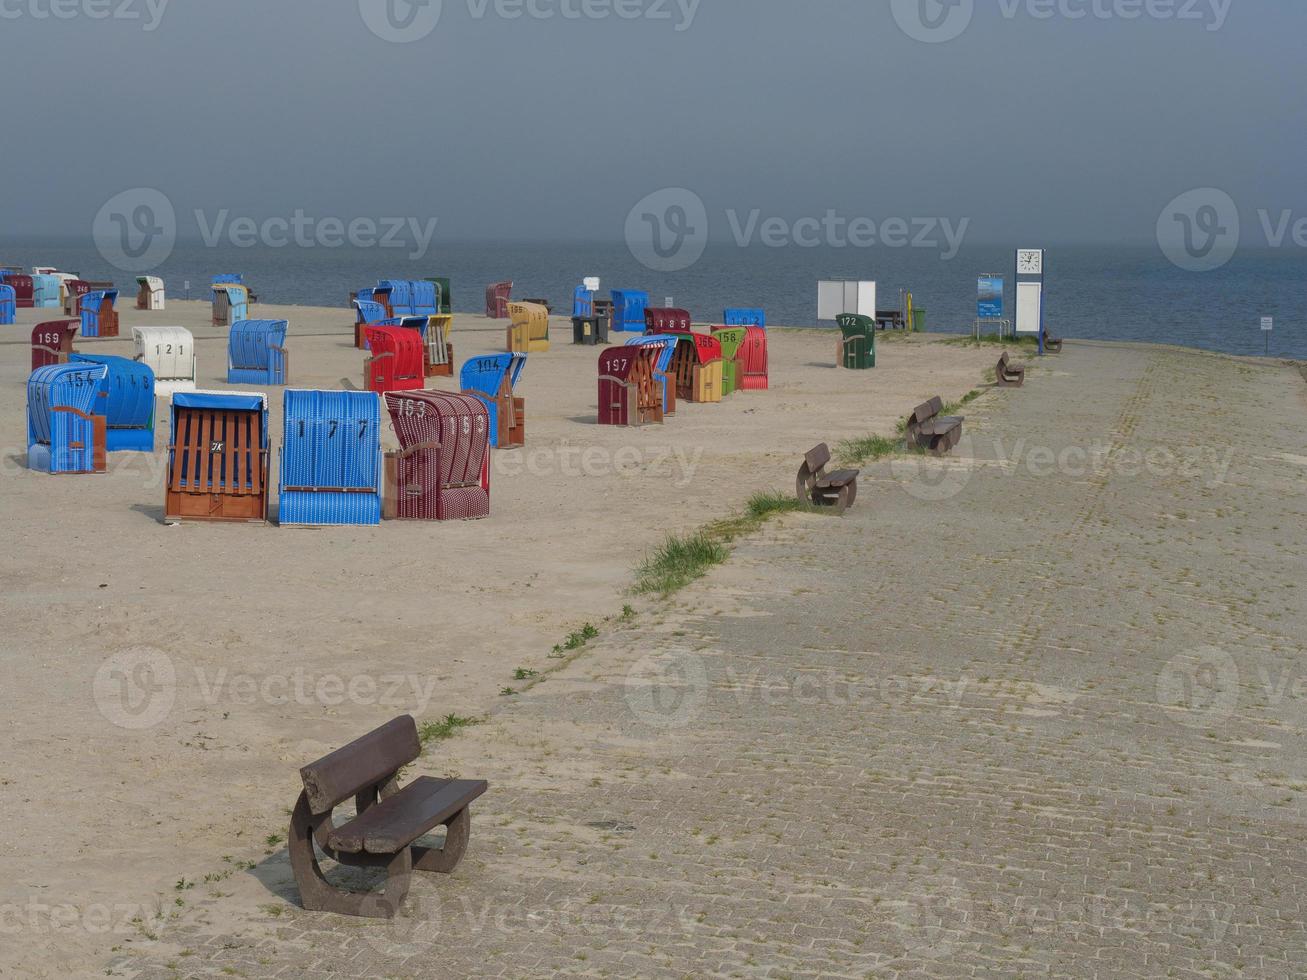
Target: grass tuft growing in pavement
438, 731
677, 562
867, 449
763, 505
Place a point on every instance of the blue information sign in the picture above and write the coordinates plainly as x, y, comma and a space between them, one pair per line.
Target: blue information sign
990, 303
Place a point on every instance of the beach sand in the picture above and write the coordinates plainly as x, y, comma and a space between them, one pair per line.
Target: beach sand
285, 643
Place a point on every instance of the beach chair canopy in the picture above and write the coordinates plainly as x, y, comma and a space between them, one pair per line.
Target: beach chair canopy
256, 352
45, 291
62, 386
741, 316
493, 379
330, 458
752, 358
666, 320
97, 313
401, 296
629, 394
170, 353
64, 435
228, 278
149, 293
583, 301
8, 304
396, 363
22, 285
126, 400
369, 311
497, 297
628, 309
52, 342
218, 456
443, 470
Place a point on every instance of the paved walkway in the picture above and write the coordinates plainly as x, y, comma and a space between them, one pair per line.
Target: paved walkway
1038, 711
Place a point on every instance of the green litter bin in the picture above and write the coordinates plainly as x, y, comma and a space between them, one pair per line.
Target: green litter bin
919, 320
858, 343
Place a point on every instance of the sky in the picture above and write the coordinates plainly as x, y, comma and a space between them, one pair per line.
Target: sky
549, 120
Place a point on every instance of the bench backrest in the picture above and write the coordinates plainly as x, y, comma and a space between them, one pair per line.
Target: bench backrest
926, 411
361, 764
817, 458
1003, 361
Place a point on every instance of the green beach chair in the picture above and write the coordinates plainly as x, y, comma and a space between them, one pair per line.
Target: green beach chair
858, 343
730, 338
442, 295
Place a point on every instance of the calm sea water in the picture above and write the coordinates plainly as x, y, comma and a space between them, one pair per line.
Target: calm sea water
1091, 292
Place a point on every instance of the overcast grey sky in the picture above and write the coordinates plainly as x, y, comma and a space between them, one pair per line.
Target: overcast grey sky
538, 127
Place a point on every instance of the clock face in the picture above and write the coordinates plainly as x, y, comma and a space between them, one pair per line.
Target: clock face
1030, 261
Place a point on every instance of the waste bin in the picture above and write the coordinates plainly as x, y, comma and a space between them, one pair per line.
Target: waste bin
919, 319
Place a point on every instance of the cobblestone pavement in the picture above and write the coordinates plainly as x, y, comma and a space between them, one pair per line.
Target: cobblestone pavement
1037, 710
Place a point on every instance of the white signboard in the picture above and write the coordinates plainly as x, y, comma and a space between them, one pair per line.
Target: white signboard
1030, 306
1268, 323
836, 296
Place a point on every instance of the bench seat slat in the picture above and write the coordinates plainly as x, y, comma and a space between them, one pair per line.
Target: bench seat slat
837, 479
399, 820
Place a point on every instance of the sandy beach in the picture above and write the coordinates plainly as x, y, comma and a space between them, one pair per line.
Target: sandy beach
285, 643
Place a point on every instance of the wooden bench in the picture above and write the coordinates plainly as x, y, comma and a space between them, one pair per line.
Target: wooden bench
388, 822
1009, 375
818, 488
1052, 344
931, 431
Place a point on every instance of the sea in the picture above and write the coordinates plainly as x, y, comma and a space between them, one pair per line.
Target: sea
1094, 292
